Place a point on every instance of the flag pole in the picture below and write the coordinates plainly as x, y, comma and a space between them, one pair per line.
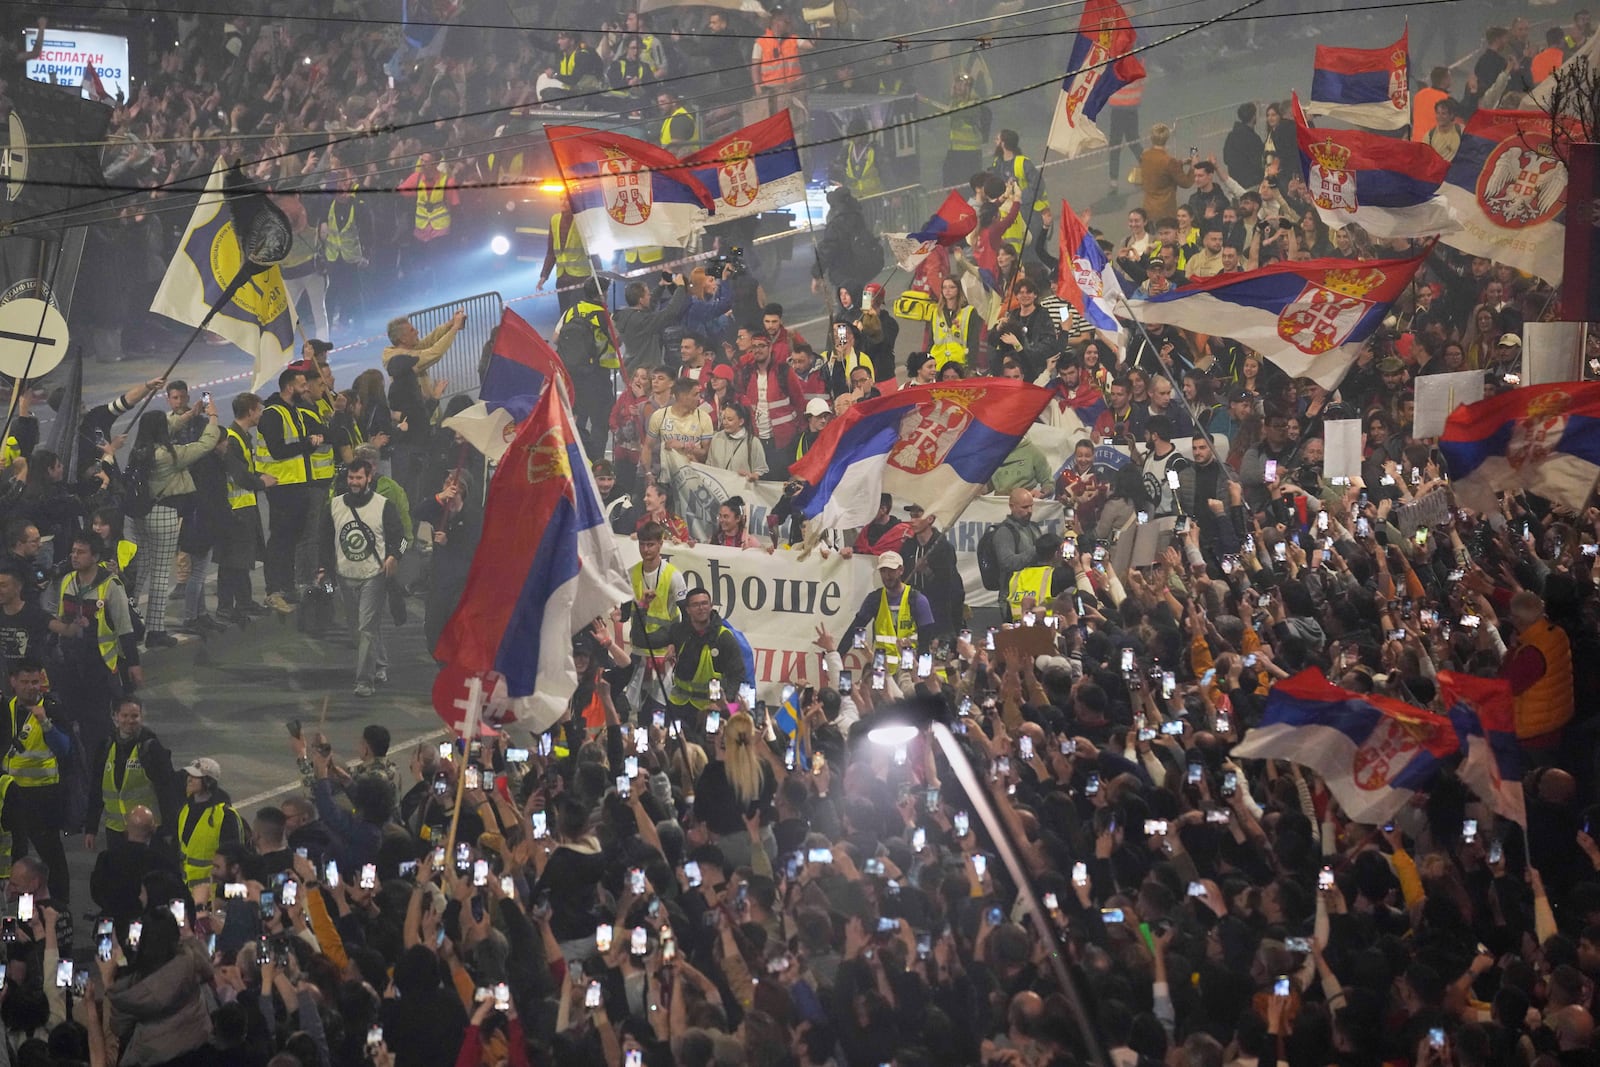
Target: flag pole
1161, 368
243, 276
474, 714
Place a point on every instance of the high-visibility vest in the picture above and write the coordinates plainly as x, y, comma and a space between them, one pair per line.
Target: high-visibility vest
861, 172
6, 782
689, 142
569, 61
965, 136
291, 471
950, 338
578, 316
30, 760
136, 787
696, 689
1034, 582
323, 464
1019, 165
105, 636
644, 254
200, 843
780, 61
662, 612
572, 258
239, 496
890, 626
432, 211
344, 239
1129, 95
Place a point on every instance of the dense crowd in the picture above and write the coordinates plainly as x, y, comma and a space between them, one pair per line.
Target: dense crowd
679, 872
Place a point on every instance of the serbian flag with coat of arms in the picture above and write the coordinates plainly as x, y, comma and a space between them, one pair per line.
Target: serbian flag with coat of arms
1085, 278
1389, 188
627, 193
1310, 318
936, 444
1363, 86
546, 567
948, 226
1486, 726
1544, 439
1374, 752
1509, 189
1101, 64
751, 170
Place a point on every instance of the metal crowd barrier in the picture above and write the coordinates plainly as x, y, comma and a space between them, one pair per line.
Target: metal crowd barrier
460, 365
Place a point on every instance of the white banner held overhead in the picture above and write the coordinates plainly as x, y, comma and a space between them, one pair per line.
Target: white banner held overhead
1552, 352
1342, 448
1440, 394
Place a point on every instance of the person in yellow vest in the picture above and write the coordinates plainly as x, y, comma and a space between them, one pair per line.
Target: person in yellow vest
583, 340
94, 626
34, 748
969, 129
658, 591
1035, 587
288, 450
577, 68
1539, 668
316, 413
707, 663
206, 821
955, 331
679, 129
897, 618
566, 255
436, 197
7, 836
344, 252
302, 267
239, 543
862, 176
1009, 164
132, 768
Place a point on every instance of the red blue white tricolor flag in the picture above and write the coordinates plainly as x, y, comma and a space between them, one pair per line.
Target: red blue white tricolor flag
1100, 64
626, 193
1363, 86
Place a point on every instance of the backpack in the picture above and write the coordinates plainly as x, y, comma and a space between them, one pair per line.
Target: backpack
866, 250
577, 347
136, 498
989, 572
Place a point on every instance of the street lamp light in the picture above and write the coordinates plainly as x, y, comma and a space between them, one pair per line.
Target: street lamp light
895, 726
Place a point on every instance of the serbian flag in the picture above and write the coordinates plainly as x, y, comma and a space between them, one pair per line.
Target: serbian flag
936, 444
1389, 188
1364, 86
1544, 439
1508, 187
1310, 318
521, 364
948, 226
751, 170
627, 193
1374, 752
546, 567
1085, 278
1486, 727
1099, 66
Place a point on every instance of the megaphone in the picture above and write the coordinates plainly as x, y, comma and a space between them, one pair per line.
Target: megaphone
827, 15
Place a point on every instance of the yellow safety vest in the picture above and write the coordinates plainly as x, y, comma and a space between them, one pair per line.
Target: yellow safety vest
890, 627
432, 211
240, 497
964, 133
862, 176
696, 690
323, 464
126, 550
685, 143
950, 338
30, 760
1014, 233
291, 471
644, 254
662, 612
6, 782
569, 62
344, 239
110, 649
200, 844
1034, 582
136, 788
571, 320
572, 258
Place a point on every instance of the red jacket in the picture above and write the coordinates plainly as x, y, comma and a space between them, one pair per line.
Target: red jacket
786, 400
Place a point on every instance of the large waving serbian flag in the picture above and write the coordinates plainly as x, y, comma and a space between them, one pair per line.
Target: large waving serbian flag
1363, 86
1100, 65
751, 170
627, 193
1374, 752
1485, 719
1084, 277
1509, 188
1388, 187
1544, 439
1310, 318
936, 444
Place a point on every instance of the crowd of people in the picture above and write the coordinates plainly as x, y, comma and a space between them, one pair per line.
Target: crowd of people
688, 870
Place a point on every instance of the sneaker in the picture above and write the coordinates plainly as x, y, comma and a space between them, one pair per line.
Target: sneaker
381, 676
279, 603
364, 690
159, 639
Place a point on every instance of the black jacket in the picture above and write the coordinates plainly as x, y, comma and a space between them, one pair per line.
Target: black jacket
157, 762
